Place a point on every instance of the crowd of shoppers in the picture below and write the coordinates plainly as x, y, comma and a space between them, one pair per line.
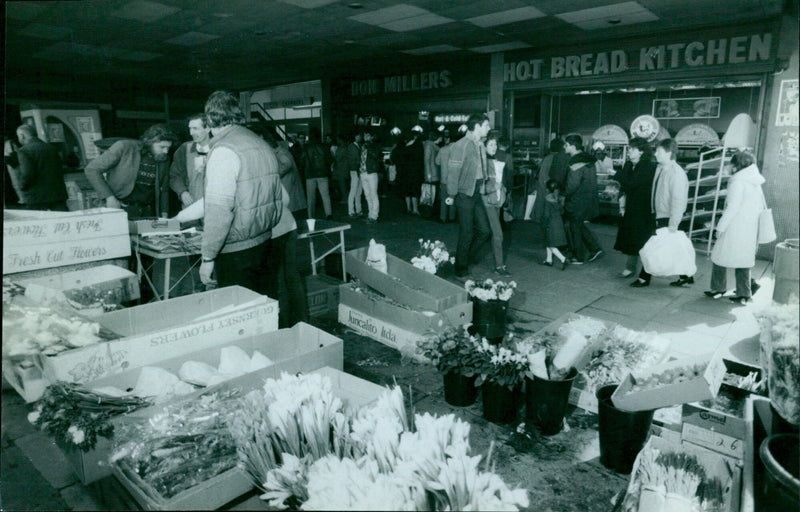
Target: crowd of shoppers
248, 189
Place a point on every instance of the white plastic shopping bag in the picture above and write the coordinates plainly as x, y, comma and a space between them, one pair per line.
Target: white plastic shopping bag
376, 256
668, 254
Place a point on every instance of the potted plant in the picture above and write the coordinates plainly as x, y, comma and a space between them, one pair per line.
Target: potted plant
501, 372
432, 256
490, 306
454, 353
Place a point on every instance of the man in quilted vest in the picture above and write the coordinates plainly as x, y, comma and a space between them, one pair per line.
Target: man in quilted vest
242, 202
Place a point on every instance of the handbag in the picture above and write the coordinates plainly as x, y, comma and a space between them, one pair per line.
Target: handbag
766, 224
493, 194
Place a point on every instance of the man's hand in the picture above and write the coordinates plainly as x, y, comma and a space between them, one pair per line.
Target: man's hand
186, 198
206, 268
672, 229
449, 201
113, 202
622, 212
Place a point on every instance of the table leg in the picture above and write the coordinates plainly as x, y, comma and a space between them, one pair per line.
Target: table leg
313, 256
166, 277
344, 265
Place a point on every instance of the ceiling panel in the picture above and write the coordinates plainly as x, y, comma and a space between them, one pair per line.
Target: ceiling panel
271, 41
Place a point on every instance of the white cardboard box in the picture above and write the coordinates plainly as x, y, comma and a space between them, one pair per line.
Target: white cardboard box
693, 390
224, 488
34, 239
121, 285
161, 330
302, 348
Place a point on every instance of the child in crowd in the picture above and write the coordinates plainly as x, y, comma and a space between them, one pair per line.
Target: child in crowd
554, 225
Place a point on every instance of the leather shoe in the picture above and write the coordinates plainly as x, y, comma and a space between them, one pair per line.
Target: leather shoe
640, 283
682, 281
546, 263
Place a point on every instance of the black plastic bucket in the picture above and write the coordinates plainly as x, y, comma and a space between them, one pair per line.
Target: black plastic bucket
622, 433
499, 403
489, 318
459, 390
780, 454
546, 402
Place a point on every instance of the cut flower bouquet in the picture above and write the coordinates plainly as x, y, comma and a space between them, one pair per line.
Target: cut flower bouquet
432, 256
490, 290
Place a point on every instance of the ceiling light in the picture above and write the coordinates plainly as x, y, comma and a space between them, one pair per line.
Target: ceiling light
348, 41
223, 14
260, 32
355, 5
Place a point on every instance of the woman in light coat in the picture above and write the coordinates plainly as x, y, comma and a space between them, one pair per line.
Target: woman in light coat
737, 229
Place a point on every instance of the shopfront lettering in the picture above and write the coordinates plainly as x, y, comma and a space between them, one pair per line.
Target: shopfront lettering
713, 52
403, 83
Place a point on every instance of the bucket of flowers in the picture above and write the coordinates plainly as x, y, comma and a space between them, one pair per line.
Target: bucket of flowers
501, 371
490, 306
432, 257
454, 353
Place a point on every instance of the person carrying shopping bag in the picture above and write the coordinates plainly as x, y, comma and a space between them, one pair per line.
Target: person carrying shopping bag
738, 230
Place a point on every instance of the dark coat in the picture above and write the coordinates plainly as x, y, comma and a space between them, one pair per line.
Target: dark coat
314, 161
636, 225
554, 224
581, 191
554, 167
410, 162
40, 179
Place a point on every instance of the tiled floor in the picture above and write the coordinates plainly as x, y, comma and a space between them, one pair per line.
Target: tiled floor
35, 475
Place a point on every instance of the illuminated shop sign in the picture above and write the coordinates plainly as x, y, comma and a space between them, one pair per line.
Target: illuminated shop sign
692, 54
402, 83
450, 118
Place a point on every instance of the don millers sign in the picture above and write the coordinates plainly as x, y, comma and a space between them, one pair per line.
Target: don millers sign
691, 54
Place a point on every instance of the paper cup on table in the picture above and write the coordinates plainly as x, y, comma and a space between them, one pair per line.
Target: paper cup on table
312, 223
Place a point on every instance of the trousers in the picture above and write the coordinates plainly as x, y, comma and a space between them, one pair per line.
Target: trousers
473, 230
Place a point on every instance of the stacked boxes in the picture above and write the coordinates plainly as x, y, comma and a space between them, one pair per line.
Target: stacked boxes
413, 302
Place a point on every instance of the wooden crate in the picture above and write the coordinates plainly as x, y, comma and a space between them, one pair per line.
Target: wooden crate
405, 283
34, 240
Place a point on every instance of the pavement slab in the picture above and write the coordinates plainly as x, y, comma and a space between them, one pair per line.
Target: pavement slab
22, 486
42, 451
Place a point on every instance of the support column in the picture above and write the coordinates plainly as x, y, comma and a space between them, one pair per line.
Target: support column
496, 89
779, 150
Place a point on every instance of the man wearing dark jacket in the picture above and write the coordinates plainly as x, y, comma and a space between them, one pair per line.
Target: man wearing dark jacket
316, 163
37, 179
581, 203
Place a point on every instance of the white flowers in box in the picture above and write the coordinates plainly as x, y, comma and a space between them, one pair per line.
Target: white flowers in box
431, 256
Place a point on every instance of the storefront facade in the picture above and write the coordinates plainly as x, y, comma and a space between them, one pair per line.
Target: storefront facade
684, 80
443, 93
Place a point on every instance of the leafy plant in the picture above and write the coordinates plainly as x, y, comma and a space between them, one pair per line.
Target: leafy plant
455, 350
501, 364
